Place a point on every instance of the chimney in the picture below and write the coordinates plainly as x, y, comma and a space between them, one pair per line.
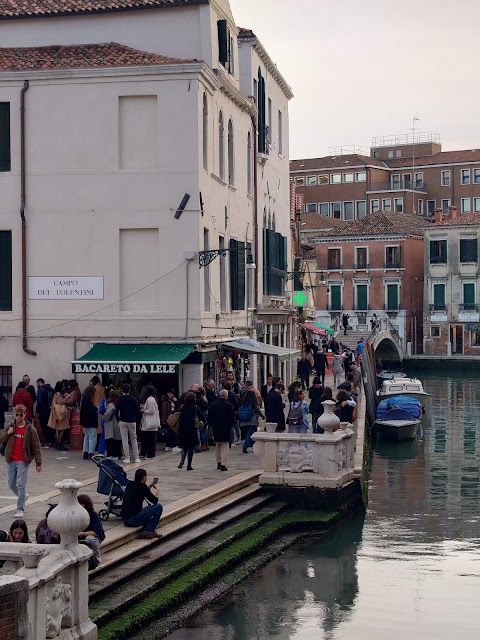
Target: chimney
453, 212
438, 215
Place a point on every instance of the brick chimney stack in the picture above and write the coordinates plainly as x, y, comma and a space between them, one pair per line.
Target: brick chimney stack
438, 215
453, 212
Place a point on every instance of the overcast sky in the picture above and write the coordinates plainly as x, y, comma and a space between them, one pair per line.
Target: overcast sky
363, 68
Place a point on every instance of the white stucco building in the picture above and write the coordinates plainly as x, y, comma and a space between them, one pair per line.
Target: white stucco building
131, 139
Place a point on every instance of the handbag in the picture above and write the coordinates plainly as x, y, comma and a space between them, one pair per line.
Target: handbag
173, 420
198, 423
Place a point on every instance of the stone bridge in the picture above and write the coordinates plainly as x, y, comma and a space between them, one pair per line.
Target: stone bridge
386, 342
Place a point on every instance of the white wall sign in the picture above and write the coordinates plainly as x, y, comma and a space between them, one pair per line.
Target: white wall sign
468, 317
65, 288
438, 318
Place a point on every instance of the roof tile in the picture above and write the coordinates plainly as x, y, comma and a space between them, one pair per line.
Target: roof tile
335, 162
466, 219
379, 223
319, 221
443, 157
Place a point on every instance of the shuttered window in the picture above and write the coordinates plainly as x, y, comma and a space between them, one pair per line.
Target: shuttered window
5, 158
237, 275
274, 263
5, 270
335, 297
468, 250
439, 297
362, 297
392, 297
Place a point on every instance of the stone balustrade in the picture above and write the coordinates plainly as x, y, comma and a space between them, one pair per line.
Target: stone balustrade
323, 461
51, 579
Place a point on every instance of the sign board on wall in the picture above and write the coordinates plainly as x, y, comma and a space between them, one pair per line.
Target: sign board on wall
65, 288
468, 317
116, 367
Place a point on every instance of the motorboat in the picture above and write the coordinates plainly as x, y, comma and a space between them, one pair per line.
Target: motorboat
386, 374
404, 386
398, 417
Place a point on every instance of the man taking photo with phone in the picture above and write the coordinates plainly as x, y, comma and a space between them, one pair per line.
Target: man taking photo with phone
132, 513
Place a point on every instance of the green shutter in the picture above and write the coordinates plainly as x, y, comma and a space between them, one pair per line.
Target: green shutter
5, 161
468, 250
5, 270
222, 42
241, 276
439, 296
233, 275
469, 294
362, 297
336, 297
392, 297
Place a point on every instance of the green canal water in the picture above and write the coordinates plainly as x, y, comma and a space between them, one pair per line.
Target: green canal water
408, 570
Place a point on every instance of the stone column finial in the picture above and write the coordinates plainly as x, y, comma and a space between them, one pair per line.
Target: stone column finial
69, 517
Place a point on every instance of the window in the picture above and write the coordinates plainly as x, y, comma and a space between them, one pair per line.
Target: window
431, 206
237, 275
374, 205
261, 118
323, 208
255, 90
361, 206
476, 204
348, 212
221, 147
407, 180
205, 132
434, 332
387, 204
311, 207
438, 290
226, 46
336, 210
5, 157
280, 132
390, 154
323, 179
398, 153
6, 384
445, 204
361, 176
376, 154
300, 181
223, 275
274, 263
335, 178
361, 257
396, 181
311, 181
466, 205
206, 274
398, 205
438, 252
362, 297
469, 296
231, 155
348, 177
465, 176
270, 122
334, 259
419, 180
475, 338
5, 270
392, 297
445, 178
468, 250
420, 208
249, 164
476, 176
392, 257
335, 297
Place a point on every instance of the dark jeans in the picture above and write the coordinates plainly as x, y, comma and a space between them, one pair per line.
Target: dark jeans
148, 517
305, 378
114, 447
321, 375
249, 430
189, 454
149, 443
170, 438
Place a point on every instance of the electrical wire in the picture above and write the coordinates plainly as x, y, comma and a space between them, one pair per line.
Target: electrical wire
112, 304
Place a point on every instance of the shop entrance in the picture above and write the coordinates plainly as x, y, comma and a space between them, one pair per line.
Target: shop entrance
456, 338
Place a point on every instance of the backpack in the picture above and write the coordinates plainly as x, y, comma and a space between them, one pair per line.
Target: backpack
246, 412
50, 395
295, 415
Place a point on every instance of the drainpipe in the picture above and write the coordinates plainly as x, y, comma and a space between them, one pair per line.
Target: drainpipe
25, 87
255, 211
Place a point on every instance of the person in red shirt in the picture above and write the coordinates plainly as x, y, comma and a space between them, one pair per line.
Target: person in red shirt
22, 396
22, 446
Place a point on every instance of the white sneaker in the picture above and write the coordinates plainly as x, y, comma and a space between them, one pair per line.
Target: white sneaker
168, 449
126, 461
137, 460
19, 514
176, 450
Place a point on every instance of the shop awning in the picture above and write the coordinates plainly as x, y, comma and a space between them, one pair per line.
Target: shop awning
107, 357
324, 326
252, 346
309, 326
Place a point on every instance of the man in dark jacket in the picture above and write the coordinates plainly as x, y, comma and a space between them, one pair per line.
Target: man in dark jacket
44, 403
221, 416
274, 407
321, 363
132, 513
126, 411
303, 372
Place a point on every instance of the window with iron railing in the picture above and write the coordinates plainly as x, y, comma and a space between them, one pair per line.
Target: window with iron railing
274, 263
392, 257
438, 252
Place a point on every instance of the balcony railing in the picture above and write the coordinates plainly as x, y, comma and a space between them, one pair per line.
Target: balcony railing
335, 307
391, 307
361, 307
468, 306
334, 267
392, 264
361, 266
438, 259
438, 307
403, 185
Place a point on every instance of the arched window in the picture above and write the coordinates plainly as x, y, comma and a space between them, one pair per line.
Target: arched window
231, 158
221, 147
205, 132
249, 165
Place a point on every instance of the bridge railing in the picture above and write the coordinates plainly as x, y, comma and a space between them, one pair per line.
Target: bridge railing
384, 324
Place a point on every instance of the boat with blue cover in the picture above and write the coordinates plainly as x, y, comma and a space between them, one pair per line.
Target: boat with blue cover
398, 417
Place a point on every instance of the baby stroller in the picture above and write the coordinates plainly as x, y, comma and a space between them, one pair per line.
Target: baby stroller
112, 481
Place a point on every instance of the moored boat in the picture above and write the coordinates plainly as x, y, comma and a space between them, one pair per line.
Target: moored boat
404, 386
398, 417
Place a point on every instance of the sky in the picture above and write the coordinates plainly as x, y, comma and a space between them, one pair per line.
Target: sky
365, 68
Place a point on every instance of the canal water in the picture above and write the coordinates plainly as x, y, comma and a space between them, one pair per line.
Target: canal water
408, 569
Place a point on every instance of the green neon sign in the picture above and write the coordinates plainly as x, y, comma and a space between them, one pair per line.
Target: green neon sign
300, 298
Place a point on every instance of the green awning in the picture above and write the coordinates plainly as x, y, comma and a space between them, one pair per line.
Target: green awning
106, 357
324, 326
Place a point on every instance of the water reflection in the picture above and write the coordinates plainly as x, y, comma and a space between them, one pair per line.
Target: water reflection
412, 569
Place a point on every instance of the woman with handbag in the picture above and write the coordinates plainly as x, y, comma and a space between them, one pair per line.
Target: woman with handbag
150, 423
188, 429
59, 419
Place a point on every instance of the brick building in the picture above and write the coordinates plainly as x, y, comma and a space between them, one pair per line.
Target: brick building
402, 174
373, 265
452, 280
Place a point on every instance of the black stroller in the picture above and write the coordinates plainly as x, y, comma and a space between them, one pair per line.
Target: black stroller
112, 481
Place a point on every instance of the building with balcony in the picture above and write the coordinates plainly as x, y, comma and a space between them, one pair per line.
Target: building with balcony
373, 266
402, 174
452, 280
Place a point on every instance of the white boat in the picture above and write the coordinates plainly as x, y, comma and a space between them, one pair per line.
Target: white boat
404, 386
397, 425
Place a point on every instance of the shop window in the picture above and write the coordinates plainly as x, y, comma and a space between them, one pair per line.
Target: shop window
475, 339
